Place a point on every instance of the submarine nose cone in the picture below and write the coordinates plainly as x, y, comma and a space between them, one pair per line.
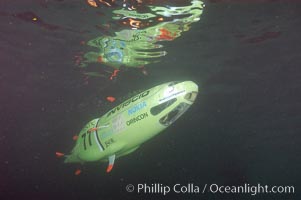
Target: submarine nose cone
191, 86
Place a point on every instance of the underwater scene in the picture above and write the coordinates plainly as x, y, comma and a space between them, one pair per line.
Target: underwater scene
150, 99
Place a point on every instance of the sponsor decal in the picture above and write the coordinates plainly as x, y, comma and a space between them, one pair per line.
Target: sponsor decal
172, 95
136, 108
136, 119
128, 102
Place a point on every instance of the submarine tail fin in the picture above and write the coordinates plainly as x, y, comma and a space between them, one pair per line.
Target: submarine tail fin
70, 159
59, 154
111, 163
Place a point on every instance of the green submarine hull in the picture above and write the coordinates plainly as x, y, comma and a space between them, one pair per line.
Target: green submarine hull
124, 128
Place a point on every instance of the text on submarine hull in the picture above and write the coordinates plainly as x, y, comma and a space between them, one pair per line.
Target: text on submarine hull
124, 128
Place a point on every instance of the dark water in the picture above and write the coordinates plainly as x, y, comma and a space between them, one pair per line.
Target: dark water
243, 128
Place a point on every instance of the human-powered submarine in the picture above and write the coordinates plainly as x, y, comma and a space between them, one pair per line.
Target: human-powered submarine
124, 128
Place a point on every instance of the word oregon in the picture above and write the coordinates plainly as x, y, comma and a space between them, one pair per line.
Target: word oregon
136, 119
126, 103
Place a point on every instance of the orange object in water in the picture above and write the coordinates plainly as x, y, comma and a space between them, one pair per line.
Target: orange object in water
105, 3
75, 137
165, 35
110, 167
114, 74
59, 154
77, 172
111, 99
92, 3
135, 23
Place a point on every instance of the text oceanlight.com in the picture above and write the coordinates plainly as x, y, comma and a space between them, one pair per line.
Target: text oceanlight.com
190, 188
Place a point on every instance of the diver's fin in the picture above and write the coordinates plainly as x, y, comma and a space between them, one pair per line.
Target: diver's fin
111, 163
59, 154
